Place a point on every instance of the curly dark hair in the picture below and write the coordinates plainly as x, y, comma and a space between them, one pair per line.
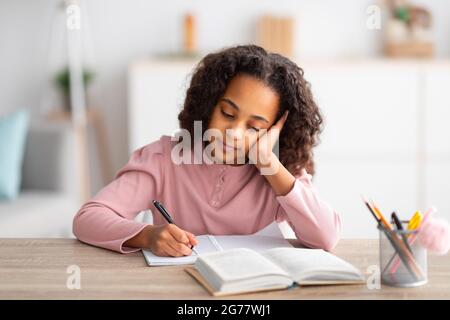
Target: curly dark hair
304, 124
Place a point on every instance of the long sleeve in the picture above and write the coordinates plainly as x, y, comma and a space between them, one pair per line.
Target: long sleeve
106, 220
314, 222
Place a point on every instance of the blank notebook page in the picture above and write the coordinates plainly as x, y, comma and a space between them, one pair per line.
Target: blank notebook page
268, 238
205, 245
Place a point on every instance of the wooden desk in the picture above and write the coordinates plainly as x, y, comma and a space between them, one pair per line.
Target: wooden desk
36, 269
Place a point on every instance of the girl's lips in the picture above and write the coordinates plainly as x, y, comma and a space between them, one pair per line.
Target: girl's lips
226, 147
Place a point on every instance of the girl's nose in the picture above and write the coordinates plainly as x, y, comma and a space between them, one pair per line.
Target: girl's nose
234, 134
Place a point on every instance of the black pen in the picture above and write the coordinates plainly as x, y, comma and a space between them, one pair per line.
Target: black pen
399, 226
167, 216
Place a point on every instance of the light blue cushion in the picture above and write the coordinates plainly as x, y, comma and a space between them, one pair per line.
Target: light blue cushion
13, 132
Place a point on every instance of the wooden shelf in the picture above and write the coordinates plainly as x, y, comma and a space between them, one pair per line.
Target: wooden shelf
409, 50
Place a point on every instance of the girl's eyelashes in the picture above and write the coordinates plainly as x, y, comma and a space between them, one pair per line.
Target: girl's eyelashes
230, 116
226, 115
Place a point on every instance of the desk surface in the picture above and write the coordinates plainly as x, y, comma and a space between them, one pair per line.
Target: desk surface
37, 269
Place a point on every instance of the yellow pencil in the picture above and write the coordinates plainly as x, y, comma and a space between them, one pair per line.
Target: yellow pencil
415, 221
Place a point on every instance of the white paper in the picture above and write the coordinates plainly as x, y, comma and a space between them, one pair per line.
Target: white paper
268, 238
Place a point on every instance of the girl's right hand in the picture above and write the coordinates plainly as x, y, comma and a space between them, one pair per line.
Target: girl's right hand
170, 240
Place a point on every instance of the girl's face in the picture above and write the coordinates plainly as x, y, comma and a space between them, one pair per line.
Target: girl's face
248, 105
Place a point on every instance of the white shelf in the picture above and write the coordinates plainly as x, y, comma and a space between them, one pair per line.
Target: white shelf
145, 63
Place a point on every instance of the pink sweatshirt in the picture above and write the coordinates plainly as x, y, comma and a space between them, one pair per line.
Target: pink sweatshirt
203, 199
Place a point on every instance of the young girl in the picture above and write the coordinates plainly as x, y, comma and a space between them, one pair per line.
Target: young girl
253, 99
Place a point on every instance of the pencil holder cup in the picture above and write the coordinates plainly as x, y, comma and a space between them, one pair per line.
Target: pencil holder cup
403, 261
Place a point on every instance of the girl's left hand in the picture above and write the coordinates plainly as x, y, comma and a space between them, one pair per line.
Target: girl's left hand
261, 153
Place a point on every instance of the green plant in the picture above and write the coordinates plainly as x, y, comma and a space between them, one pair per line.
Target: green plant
62, 79
403, 14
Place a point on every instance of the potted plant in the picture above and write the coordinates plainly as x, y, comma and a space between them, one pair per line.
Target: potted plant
62, 81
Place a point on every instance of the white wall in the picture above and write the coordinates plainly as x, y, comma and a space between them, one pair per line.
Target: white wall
122, 31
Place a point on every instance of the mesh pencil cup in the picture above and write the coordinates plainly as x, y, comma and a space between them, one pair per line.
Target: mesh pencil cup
403, 261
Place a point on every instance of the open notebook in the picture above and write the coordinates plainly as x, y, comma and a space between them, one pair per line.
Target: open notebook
244, 270
269, 237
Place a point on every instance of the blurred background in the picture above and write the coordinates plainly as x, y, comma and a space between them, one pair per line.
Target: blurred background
84, 83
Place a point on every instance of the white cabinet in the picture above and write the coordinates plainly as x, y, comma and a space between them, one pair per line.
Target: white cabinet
368, 109
391, 185
438, 186
436, 123
369, 141
386, 131
155, 97
437, 111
